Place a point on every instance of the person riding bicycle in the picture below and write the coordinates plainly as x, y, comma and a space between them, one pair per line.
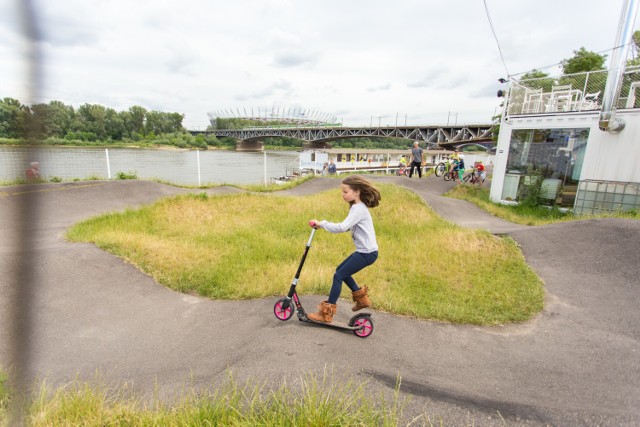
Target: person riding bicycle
460, 167
403, 166
454, 163
479, 170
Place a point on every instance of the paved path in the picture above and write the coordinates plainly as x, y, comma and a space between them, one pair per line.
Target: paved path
577, 363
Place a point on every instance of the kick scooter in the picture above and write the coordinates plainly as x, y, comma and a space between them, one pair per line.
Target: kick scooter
360, 324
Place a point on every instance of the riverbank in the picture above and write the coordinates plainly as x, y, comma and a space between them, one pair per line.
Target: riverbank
184, 167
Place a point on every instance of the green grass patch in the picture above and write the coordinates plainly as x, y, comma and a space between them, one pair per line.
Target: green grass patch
522, 214
271, 187
249, 246
4, 396
311, 400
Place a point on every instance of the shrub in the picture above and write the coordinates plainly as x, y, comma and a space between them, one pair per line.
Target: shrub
127, 175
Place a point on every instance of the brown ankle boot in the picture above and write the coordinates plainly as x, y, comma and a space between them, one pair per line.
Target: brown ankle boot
325, 313
361, 298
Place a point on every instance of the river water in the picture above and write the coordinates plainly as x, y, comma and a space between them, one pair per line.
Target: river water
182, 167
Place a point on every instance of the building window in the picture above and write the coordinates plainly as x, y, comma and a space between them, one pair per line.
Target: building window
551, 158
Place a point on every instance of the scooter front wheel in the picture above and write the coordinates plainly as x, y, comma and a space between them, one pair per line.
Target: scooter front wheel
281, 312
365, 323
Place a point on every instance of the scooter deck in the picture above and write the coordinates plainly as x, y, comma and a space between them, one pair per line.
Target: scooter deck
332, 325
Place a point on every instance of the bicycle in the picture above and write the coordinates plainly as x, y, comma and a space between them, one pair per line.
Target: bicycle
440, 169
451, 175
403, 171
474, 177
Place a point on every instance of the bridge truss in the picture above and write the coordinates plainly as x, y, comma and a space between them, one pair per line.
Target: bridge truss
443, 136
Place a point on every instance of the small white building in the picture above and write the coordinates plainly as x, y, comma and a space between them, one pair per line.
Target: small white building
579, 134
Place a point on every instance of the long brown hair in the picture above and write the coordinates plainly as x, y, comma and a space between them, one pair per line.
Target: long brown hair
369, 195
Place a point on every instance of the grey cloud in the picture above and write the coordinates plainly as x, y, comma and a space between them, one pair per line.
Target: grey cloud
63, 31
436, 77
386, 86
440, 79
292, 59
426, 81
279, 87
181, 61
421, 83
454, 82
490, 90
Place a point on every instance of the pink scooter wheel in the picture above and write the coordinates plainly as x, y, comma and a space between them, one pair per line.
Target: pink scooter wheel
280, 312
366, 323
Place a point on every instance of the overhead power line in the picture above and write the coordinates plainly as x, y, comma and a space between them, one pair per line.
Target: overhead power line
493, 31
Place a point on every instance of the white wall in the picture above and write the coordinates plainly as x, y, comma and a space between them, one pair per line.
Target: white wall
614, 156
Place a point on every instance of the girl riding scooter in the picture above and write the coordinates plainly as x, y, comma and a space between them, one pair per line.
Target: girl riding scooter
361, 195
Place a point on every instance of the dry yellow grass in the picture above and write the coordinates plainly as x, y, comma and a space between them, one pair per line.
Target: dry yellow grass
249, 246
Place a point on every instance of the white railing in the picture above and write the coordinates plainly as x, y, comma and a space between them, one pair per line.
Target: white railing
569, 93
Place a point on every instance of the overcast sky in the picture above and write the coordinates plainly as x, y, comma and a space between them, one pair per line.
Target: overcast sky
423, 61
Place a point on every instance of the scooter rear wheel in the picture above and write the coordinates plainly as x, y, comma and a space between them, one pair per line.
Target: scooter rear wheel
365, 322
280, 312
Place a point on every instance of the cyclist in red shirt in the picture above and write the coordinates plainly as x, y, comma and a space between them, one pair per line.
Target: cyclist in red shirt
479, 170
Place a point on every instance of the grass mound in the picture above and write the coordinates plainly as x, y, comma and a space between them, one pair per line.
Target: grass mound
248, 246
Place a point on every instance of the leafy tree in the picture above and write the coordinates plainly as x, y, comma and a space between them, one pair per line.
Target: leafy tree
174, 121
159, 122
114, 125
536, 79
635, 49
534, 74
50, 120
93, 116
134, 120
13, 116
583, 61
59, 119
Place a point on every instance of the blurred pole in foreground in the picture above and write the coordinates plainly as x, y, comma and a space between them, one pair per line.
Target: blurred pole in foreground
22, 278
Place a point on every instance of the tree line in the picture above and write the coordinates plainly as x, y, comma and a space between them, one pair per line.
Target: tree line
89, 122
58, 123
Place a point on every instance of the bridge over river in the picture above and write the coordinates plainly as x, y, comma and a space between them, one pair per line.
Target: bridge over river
320, 136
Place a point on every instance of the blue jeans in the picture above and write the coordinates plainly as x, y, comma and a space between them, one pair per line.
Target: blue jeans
350, 266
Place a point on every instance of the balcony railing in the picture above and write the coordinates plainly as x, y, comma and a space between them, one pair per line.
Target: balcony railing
570, 93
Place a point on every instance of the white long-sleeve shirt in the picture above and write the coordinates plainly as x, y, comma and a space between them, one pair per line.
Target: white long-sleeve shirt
360, 223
